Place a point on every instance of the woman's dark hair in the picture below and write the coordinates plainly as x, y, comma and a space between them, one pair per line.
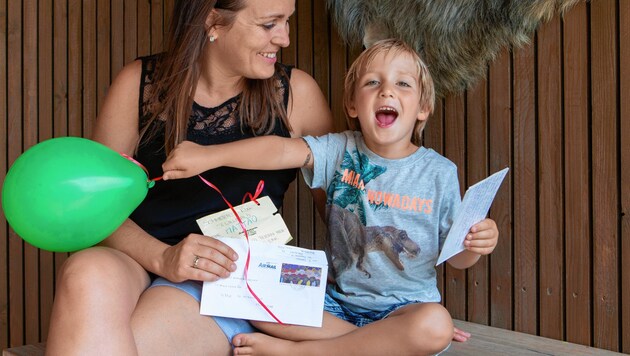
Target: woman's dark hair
178, 72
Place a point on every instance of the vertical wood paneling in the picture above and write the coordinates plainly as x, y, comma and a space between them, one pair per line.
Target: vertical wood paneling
557, 112
14, 91
624, 100
29, 120
455, 150
45, 131
605, 185
476, 170
89, 66
433, 137
4, 236
337, 73
499, 141
576, 143
103, 50
75, 58
130, 33
157, 26
144, 28
117, 36
60, 68
524, 172
168, 9
550, 207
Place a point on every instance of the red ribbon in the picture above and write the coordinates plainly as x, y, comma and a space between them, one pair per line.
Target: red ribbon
141, 166
238, 218
259, 190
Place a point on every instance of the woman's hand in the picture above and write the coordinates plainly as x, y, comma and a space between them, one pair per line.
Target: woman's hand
198, 257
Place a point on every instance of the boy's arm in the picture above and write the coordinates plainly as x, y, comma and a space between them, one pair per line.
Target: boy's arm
481, 240
263, 152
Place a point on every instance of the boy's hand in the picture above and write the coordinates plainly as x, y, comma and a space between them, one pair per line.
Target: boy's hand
186, 160
483, 237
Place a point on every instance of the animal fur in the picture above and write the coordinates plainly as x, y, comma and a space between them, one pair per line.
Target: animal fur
352, 241
457, 38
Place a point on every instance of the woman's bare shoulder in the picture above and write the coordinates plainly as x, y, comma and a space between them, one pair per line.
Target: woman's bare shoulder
308, 110
117, 122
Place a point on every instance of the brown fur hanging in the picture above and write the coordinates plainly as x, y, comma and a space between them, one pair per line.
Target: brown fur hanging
457, 38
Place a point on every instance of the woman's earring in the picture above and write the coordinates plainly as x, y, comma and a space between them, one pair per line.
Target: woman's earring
212, 38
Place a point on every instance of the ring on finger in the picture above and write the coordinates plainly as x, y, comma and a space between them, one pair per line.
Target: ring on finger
195, 261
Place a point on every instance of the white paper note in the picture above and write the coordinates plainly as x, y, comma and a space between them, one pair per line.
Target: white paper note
473, 209
290, 281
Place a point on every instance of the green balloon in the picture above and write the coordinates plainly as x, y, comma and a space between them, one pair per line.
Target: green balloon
69, 193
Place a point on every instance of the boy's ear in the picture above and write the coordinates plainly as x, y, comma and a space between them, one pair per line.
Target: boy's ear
423, 114
352, 110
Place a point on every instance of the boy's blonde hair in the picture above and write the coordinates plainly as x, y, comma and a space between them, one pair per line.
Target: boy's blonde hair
427, 90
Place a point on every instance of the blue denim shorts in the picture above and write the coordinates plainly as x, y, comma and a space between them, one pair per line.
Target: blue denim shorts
229, 326
359, 319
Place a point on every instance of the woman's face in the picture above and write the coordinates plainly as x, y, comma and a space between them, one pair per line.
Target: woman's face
250, 46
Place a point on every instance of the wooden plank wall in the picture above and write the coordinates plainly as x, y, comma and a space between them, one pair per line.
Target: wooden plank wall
557, 112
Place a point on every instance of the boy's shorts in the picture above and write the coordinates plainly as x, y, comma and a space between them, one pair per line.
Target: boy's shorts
230, 326
359, 319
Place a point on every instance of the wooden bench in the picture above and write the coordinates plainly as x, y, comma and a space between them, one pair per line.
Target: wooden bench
486, 340
490, 341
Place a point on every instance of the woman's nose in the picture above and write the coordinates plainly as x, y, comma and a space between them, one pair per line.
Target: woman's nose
281, 37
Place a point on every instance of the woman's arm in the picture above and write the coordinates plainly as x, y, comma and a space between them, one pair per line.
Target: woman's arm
117, 128
310, 115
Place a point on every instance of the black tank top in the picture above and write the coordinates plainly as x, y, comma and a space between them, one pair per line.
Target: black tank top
171, 208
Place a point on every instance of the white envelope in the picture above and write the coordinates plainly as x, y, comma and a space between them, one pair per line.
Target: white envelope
290, 281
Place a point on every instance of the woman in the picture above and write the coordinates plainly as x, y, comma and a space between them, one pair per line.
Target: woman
218, 81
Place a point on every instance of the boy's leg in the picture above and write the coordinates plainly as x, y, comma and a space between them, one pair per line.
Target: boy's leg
416, 329
331, 327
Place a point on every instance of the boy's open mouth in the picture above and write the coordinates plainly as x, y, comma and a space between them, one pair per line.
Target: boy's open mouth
386, 115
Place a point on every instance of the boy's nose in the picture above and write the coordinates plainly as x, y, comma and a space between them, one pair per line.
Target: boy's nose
386, 92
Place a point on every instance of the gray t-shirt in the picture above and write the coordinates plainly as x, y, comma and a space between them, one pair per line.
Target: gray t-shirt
387, 220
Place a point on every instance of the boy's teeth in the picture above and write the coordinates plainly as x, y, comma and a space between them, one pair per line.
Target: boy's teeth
269, 55
387, 108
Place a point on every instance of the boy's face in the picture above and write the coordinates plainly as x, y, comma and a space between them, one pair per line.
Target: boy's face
386, 102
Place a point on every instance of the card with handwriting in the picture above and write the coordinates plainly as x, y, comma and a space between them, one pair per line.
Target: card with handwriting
261, 219
473, 209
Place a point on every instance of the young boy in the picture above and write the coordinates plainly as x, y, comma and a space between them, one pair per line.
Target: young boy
390, 205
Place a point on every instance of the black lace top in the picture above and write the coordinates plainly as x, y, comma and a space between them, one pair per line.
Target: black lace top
171, 208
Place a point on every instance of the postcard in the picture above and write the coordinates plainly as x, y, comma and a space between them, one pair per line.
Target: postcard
473, 209
290, 281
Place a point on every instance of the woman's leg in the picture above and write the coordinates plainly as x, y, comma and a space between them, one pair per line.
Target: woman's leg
167, 322
97, 291
416, 329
